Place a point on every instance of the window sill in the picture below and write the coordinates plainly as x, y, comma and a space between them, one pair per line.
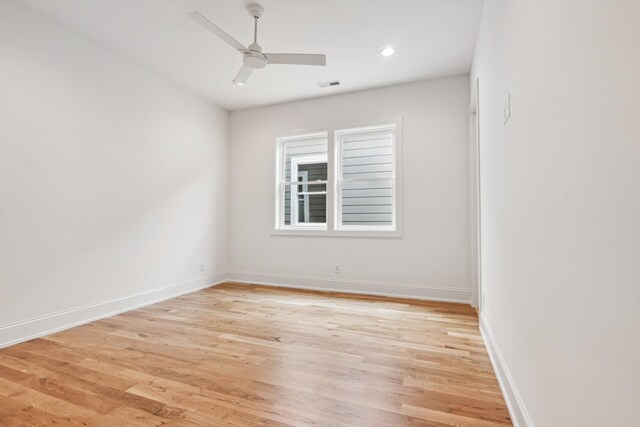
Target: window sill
396, 234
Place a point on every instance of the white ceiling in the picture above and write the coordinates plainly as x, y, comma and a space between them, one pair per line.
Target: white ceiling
433, 38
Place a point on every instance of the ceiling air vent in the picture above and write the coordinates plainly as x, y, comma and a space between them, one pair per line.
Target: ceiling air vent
328, 84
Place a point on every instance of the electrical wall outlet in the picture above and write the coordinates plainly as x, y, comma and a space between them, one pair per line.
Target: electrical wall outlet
202, 266
336, 268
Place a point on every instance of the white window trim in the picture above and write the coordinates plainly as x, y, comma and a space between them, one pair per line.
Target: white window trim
329, 131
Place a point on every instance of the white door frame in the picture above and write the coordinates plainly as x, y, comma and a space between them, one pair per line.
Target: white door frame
475, 198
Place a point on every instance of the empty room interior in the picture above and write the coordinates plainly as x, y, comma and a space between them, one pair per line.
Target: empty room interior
320, 213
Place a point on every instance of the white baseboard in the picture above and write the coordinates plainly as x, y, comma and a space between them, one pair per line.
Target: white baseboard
25, 330
518, 412
28, 329
402, 290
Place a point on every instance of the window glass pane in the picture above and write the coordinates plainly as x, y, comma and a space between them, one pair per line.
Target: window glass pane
366, 177
367, 155
367, 203
312, 171
304, 159
311, 204
312, 208
287, 205
312, 146
309, 187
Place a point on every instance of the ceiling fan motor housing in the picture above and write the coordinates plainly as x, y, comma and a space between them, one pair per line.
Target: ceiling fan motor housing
254, 59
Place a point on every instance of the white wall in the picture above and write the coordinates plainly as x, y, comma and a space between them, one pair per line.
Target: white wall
431, 260
113, 181
561, 205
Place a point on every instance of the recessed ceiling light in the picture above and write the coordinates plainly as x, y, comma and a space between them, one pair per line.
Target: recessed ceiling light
388, 51
239, 84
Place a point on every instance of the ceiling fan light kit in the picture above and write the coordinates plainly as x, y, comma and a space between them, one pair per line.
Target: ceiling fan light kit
387, 51
252, 56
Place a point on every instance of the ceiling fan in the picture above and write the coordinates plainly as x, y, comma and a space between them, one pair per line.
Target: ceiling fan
253, 58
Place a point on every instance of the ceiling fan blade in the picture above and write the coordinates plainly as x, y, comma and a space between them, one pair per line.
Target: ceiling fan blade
296, 58
243, 75
196, 16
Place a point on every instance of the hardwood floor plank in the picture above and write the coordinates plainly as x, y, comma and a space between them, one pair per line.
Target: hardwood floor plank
248, 355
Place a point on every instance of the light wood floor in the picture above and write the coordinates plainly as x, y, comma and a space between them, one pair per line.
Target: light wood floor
239, 355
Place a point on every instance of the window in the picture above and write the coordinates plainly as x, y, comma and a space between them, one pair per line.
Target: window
366, 178
302, 192
339, 182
